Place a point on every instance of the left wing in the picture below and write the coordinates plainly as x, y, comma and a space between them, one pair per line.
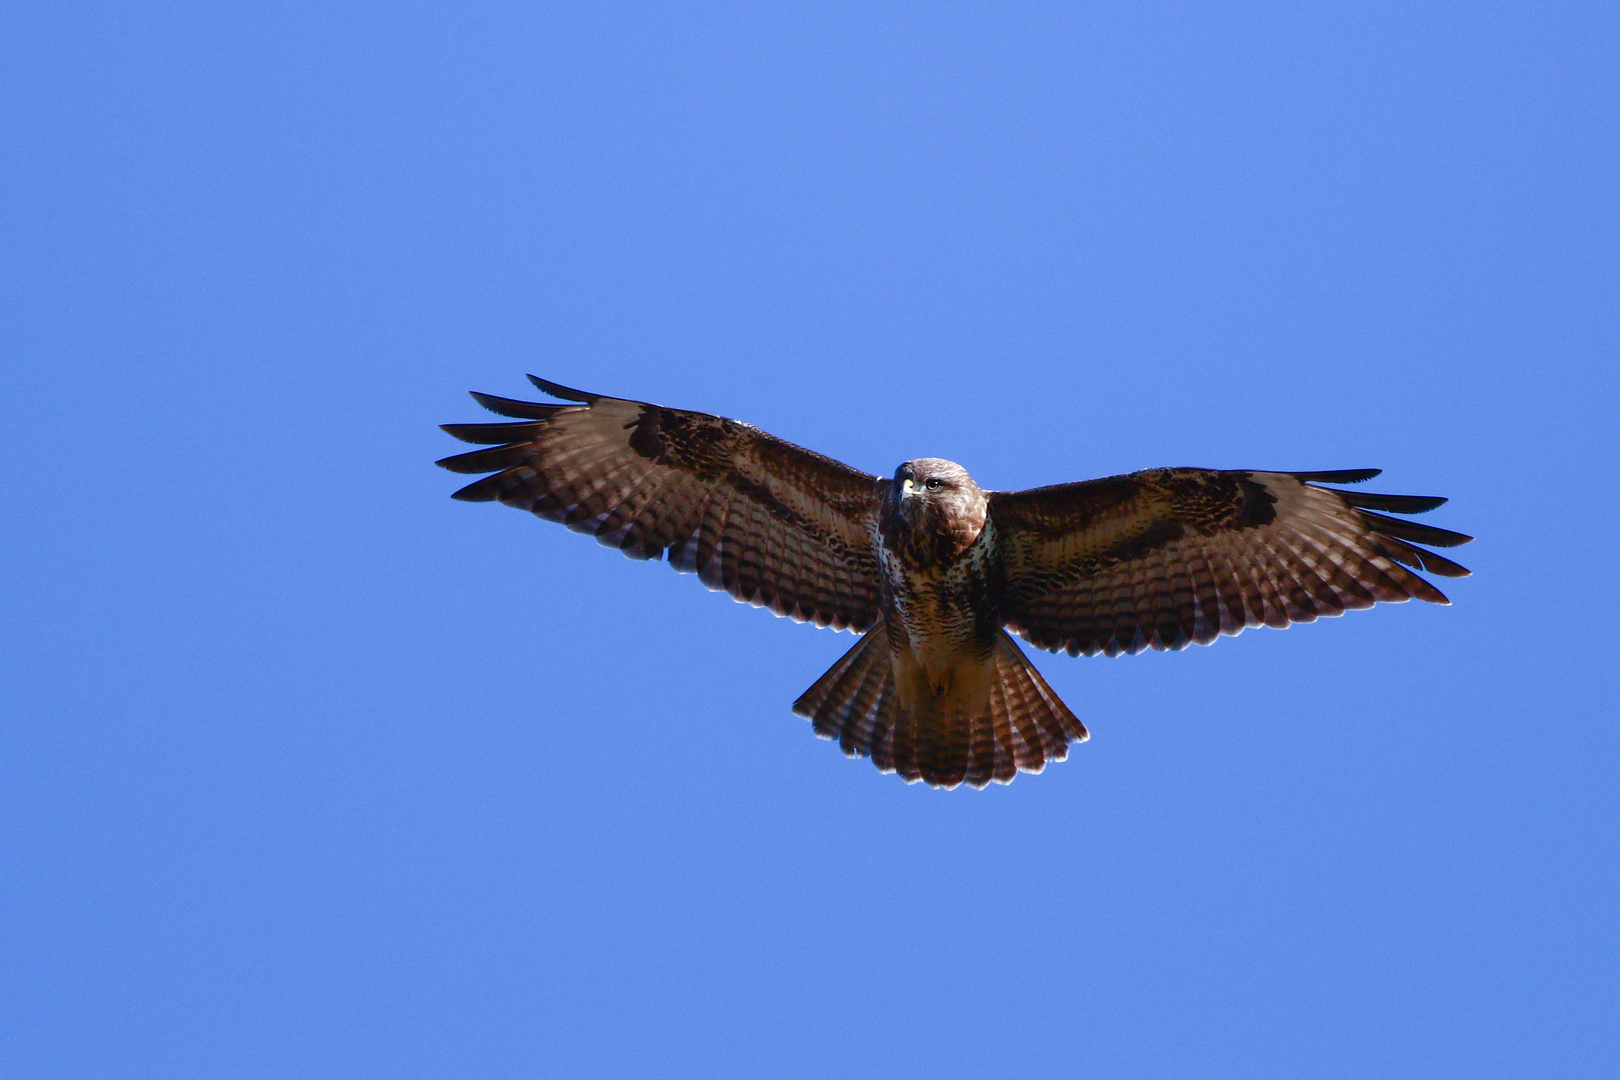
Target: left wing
773, 524
1168, 557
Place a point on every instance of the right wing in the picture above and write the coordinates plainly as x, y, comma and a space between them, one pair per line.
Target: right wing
771, 523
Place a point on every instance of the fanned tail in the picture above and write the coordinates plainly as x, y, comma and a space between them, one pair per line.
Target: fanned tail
856, 701
1028, 714
1024, 725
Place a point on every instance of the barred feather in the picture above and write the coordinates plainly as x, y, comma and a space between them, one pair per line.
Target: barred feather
1025, 726
1119, 565
774, 525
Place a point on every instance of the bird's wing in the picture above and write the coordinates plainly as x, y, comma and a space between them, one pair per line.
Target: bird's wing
1167, 557
772, 524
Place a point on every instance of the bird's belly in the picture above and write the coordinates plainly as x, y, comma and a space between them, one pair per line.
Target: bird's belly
934, 625
942, 644
941, 667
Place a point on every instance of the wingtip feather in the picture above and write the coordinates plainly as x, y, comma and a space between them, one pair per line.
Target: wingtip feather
1339, 476
1395, 504
557, 390
522, 410
1413, 531
477, 491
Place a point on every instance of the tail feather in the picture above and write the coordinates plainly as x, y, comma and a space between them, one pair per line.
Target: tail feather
941, 745
834, 703
1045, 725
983, 760
1024, 726
1057, 723
873, 702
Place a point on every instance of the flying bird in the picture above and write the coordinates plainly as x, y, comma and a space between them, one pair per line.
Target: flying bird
935, 573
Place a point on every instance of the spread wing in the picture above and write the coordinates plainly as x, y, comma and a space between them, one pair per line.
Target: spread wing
1167, 557
772, 524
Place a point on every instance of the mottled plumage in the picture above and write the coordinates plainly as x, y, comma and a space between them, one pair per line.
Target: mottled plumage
934, 571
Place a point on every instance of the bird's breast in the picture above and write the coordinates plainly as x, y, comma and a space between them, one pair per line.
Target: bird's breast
942, 611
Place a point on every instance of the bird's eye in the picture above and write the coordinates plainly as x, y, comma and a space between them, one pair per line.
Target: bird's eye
931, 483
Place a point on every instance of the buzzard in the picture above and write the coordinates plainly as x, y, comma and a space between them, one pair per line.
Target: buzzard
933, 571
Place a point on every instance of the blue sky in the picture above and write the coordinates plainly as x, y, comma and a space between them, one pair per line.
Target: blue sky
307, 770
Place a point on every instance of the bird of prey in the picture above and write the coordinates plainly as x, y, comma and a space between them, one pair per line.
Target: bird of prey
933, 571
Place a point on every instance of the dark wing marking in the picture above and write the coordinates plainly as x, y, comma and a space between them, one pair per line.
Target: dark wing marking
1168, 557
772, 524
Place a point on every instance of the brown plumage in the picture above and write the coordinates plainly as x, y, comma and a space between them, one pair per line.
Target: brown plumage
935, 571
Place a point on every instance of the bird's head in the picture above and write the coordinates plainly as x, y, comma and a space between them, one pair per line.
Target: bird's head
938, 498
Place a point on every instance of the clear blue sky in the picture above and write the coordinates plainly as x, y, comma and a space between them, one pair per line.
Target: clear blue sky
308, 771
